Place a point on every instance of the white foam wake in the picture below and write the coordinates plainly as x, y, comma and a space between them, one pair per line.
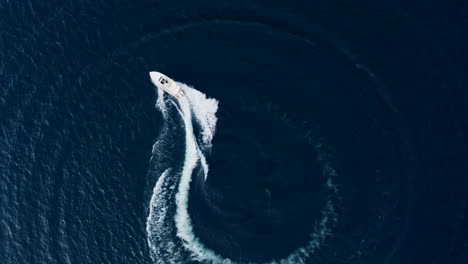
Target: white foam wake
204, 109
194, 104
192, 155
162, 236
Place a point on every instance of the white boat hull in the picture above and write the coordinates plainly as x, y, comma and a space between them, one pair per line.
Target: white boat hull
166, 84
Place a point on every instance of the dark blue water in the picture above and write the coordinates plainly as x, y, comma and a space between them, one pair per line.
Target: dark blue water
340, 136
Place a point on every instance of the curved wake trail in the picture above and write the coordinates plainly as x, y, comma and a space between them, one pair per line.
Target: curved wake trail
170, 231
182, 218
158, 228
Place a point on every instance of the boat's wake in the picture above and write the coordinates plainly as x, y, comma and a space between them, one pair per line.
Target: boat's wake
169, 227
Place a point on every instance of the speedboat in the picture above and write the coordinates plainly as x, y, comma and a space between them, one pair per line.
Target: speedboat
166, 84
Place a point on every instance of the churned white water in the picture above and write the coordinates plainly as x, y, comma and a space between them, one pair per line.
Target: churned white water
195, 106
